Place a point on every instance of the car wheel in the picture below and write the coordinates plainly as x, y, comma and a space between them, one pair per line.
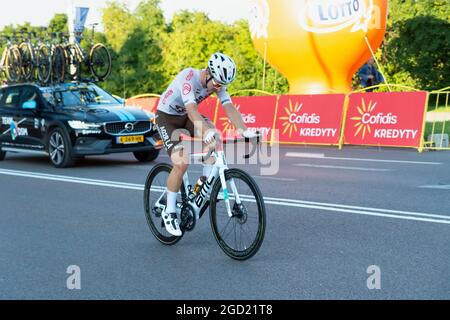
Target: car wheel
60, 149
2, 154
146, 156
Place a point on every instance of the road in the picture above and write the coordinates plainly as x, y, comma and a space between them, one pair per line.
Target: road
336, 220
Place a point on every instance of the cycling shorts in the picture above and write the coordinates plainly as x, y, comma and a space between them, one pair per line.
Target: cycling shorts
170, 128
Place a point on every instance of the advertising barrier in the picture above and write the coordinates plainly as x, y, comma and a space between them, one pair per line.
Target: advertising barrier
385, 119
145, 102
208, 108
310, 119
394, 119
257, 112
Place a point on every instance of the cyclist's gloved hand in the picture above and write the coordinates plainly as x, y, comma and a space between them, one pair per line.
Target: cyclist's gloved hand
210, 137
249, 134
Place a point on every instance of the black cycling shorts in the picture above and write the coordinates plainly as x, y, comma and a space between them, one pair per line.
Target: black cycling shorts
170, 127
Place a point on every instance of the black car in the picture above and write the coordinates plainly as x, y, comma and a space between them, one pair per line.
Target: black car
73, 120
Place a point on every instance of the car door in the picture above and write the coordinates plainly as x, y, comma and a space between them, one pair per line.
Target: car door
30, 117
8, 111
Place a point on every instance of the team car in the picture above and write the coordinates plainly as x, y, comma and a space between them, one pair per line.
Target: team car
73, 120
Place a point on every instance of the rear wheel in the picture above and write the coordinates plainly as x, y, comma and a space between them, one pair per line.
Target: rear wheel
155, 200
2, 154
13, 69
60, 149
58, 64
27, 62
146, 156
44, 64
241, 235
100, 62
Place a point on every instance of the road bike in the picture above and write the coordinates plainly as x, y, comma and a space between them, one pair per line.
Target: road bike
11, 60
98, 60
236, 206
36, 61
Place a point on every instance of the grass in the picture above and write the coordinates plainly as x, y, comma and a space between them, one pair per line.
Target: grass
438, 126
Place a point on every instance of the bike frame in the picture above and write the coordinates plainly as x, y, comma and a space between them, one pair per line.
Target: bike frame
201, 199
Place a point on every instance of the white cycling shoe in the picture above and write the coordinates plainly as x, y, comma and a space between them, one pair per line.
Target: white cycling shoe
171, 223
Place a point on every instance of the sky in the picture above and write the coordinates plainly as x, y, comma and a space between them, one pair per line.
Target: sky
40, 12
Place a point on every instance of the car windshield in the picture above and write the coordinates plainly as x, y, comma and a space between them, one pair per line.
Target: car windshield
78, 95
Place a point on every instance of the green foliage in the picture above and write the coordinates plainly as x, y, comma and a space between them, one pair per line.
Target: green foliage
436, 128
59, 23
416, 52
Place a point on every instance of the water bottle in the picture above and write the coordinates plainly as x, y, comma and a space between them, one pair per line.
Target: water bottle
199, 184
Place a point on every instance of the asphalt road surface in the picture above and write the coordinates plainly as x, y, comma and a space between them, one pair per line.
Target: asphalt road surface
358, 223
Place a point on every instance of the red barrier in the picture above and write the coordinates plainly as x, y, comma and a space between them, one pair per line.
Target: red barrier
381, 119
208, 108
385, 119
257, 113
148, 104
310, 119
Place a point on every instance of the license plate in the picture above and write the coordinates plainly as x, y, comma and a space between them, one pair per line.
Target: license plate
130, 139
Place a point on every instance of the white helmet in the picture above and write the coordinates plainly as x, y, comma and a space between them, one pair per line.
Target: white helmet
222, 68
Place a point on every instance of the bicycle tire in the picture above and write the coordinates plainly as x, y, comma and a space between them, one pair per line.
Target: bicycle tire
72, 62
58, 64
44, 64
27, 62
104, 60
13, 63
259, 238
166, 240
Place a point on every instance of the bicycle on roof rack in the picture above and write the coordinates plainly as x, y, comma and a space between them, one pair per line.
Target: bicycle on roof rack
52, 59
98, 61
11, 60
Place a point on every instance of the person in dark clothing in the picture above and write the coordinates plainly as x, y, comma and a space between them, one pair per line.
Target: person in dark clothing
369, 75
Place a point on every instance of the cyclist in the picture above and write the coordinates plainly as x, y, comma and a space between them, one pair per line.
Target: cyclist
178, 109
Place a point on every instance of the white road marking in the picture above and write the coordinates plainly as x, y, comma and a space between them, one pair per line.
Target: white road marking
340, 167
305, 155
442, 187
377, 212
319, 156
256, 177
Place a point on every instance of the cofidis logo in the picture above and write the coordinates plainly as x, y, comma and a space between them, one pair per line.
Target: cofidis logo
379, 124
250, 120
304, 124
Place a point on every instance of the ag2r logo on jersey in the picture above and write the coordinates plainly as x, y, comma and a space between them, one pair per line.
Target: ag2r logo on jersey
187, 88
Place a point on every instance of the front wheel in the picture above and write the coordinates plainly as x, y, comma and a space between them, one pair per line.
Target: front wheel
100, 62
60, 149
155, 200
241, 235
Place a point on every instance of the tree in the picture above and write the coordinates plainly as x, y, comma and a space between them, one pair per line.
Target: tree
417, 46
59, 23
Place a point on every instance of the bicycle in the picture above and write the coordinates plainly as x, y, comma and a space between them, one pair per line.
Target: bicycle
35, 61
11, 60
190, 208
98, 61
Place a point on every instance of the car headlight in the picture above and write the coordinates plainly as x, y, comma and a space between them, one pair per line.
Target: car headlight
81, 125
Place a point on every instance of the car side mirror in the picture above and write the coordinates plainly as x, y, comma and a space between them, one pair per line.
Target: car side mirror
29, 105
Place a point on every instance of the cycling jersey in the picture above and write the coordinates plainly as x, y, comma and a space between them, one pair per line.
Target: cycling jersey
186, 88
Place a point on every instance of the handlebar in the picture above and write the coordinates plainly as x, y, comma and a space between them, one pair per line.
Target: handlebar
257, 139
256, 142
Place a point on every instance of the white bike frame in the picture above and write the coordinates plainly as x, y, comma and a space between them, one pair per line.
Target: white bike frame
218, 171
